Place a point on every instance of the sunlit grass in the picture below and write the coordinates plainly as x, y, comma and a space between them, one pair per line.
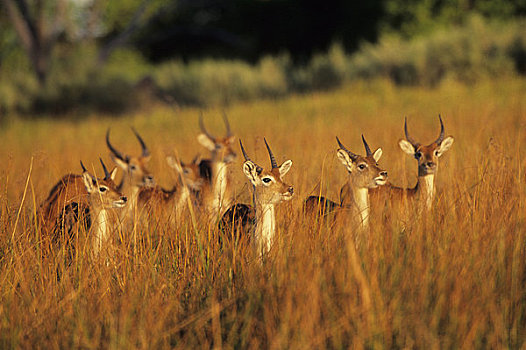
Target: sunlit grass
453, 277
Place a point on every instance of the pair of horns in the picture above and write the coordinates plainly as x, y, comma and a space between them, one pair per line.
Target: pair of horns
203, 129
107, 174
116, 153
353, 155
414, 143
271, 155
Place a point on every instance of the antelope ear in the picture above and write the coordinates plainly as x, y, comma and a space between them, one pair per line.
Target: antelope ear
206, 142
113, 173
89, 182
285, 167
120, 163
197, 159
250, 170
147, 158
445, 145
378, 154
407, 147
346, 160
172, 163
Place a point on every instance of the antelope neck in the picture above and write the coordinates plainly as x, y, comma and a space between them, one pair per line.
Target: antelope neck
265, 225
100, 230
220, 185
427, 186
361, 199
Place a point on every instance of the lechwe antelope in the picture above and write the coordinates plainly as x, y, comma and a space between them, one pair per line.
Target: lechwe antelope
364, 174
217, 195
427, 157
81, 201
174, 201
136, 174
268, 190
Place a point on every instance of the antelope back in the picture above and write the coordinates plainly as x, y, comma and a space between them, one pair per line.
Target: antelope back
135, 168
427, 156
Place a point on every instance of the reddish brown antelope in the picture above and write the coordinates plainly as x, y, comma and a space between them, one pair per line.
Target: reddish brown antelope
217, 195
364, 174
81, 201
268, 190
174, 201
136, 174
427, 158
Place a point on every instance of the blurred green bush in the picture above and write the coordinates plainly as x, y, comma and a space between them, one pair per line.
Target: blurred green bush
476, 50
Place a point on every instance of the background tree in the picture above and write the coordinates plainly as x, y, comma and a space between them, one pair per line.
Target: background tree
41, 24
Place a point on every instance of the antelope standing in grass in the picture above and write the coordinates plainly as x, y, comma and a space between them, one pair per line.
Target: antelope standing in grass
174, 201
82, 201
268, 190
216, 196
364, 174
427, 158
136, 174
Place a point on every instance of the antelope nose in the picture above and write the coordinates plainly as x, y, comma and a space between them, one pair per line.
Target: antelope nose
124, 199
383, 173
291, 190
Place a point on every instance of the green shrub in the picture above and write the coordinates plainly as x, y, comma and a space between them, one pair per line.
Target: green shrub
211, 82
465, 53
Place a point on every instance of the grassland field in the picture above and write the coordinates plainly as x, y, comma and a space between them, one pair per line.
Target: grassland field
451, 278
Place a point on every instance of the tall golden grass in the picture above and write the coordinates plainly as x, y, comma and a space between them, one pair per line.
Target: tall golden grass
451, 278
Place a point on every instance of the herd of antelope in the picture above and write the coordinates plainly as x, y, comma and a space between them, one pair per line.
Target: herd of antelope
98, 205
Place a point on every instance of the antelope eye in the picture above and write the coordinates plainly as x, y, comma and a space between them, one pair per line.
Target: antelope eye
186, 171
418, 154
362, 166
133, 167
102, 189
266, 180
436, 153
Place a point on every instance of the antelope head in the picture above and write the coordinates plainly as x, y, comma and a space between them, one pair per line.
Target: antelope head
103, 193
134, 167
268, 184
189, 172
364, 171
427, 156
221, 148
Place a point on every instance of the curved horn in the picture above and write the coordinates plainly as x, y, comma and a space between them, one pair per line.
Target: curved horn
272, 159
227, 124
202, 126
353, 155
83, 167
145, 152
367, 148
112, 149
407, 137
106, 172
243, 150
441, 136
247, 159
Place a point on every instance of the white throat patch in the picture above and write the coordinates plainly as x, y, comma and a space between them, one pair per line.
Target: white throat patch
361, 198
428, 189
265, 226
